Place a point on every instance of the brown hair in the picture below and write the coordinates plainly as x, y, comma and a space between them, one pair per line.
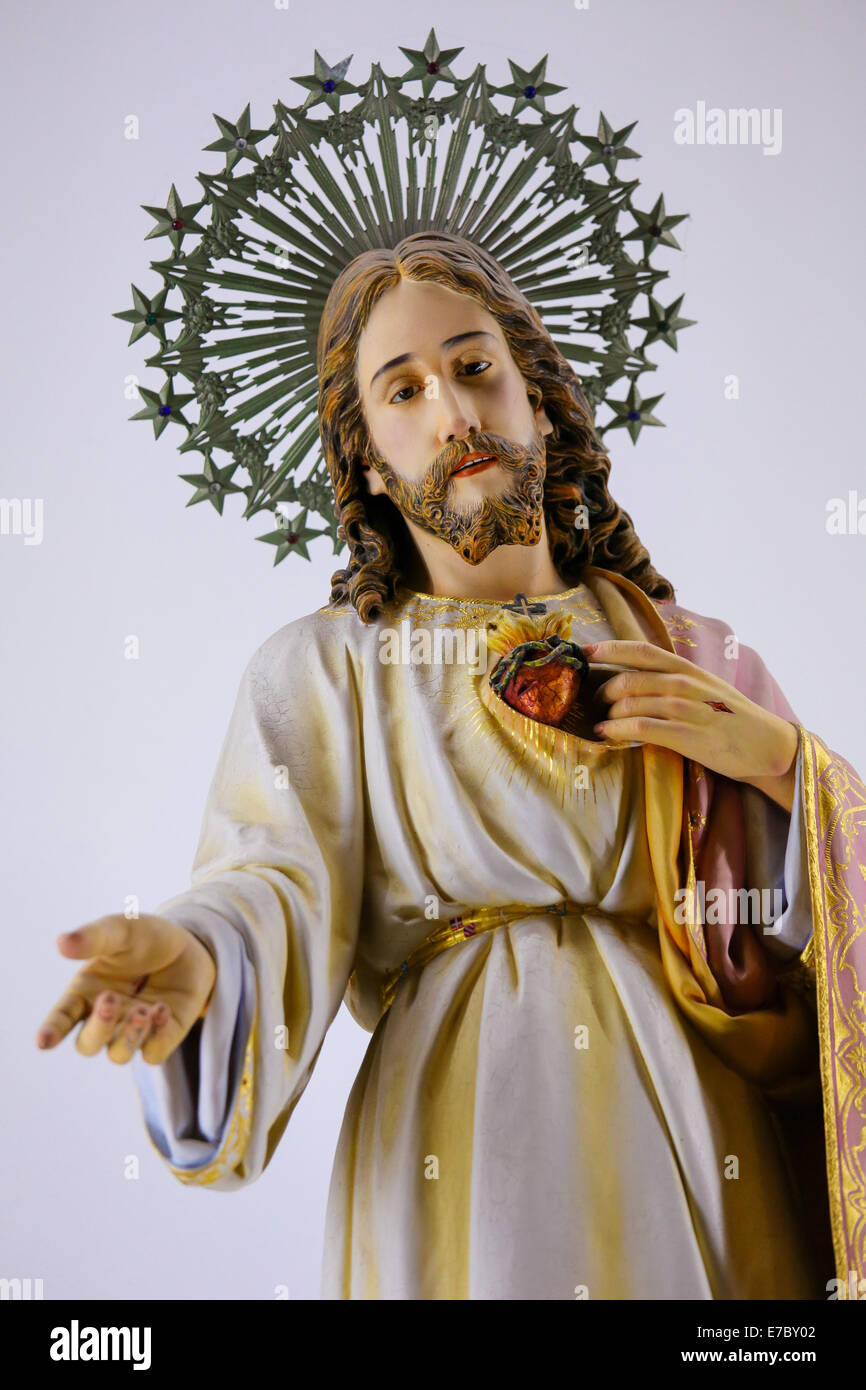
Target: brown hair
577, 466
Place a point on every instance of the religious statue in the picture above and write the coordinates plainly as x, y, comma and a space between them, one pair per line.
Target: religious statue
559, 842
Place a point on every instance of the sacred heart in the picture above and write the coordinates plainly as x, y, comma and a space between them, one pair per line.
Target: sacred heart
546, 694
541, 678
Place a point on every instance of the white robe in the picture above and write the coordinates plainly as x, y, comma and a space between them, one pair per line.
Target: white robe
534, 1118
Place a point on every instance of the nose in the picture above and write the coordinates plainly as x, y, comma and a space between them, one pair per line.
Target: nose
456, 419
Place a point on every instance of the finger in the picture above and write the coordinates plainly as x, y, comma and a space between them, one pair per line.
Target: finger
665, 733
663, 707
653, 683
107, 937
69, 1010
134, 1031
642, 655
97, 1032
166, 1035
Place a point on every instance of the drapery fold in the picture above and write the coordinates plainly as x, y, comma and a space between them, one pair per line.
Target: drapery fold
341, 801
276, 896
696, 819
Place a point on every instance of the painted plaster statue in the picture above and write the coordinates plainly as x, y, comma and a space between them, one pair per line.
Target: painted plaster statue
559, 842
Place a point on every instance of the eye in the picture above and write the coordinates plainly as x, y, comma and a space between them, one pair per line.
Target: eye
480, 363
399, 393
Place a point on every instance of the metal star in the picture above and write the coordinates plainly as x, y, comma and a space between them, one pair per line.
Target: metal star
293, 536
529, 87
634, 412
163, 407
148, 316
652, 228
213, 484
317, 83
607, 147
662, 323
431, 55
238, 141
175, 220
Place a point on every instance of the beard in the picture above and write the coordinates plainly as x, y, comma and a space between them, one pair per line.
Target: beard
513, 517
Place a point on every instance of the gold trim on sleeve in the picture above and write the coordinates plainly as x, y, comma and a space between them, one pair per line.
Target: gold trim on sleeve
237, 1137
843, 1072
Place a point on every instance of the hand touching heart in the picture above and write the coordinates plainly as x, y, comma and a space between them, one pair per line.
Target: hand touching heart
667, 700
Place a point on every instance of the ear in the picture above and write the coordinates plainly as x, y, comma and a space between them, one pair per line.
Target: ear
542, 421
372, 479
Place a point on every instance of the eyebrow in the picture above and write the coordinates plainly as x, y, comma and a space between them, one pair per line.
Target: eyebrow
449, 342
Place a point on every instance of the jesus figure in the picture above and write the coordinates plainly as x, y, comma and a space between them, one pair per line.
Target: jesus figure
578, 1084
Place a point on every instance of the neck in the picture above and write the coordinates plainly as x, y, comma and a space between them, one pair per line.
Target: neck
506, 571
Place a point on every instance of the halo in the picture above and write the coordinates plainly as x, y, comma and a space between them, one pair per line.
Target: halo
251, 284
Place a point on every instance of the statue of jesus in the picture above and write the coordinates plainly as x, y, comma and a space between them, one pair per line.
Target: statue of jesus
576, 1085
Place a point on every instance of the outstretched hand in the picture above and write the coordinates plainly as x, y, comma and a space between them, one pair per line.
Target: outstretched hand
145, 983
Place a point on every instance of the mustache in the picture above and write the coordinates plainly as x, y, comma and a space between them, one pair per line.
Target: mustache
512, 517
512, 457
428, 495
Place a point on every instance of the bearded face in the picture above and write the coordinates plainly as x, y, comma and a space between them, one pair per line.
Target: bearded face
454, 436
473, 526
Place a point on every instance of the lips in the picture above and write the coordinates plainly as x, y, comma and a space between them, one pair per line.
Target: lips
472, 461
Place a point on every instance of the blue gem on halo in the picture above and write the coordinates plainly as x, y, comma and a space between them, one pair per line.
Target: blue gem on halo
529, 91
634, 415
328, 86
165, 410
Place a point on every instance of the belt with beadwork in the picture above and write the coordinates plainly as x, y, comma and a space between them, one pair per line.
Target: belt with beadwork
473, 923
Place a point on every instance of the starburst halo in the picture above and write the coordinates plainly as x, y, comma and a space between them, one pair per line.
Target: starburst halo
298, 200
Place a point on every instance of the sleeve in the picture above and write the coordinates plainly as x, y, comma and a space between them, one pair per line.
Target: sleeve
276, 894
778, 855
776, 849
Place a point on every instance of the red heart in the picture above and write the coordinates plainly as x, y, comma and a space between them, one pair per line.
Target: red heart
545, 693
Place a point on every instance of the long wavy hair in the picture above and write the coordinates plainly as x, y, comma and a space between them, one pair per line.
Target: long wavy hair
380, 544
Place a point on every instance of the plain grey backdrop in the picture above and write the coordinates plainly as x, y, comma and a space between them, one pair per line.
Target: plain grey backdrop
107, 761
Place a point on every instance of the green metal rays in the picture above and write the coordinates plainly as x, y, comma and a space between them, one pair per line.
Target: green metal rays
248, 286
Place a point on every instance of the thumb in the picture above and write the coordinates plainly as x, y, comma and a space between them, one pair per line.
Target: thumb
105, 937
